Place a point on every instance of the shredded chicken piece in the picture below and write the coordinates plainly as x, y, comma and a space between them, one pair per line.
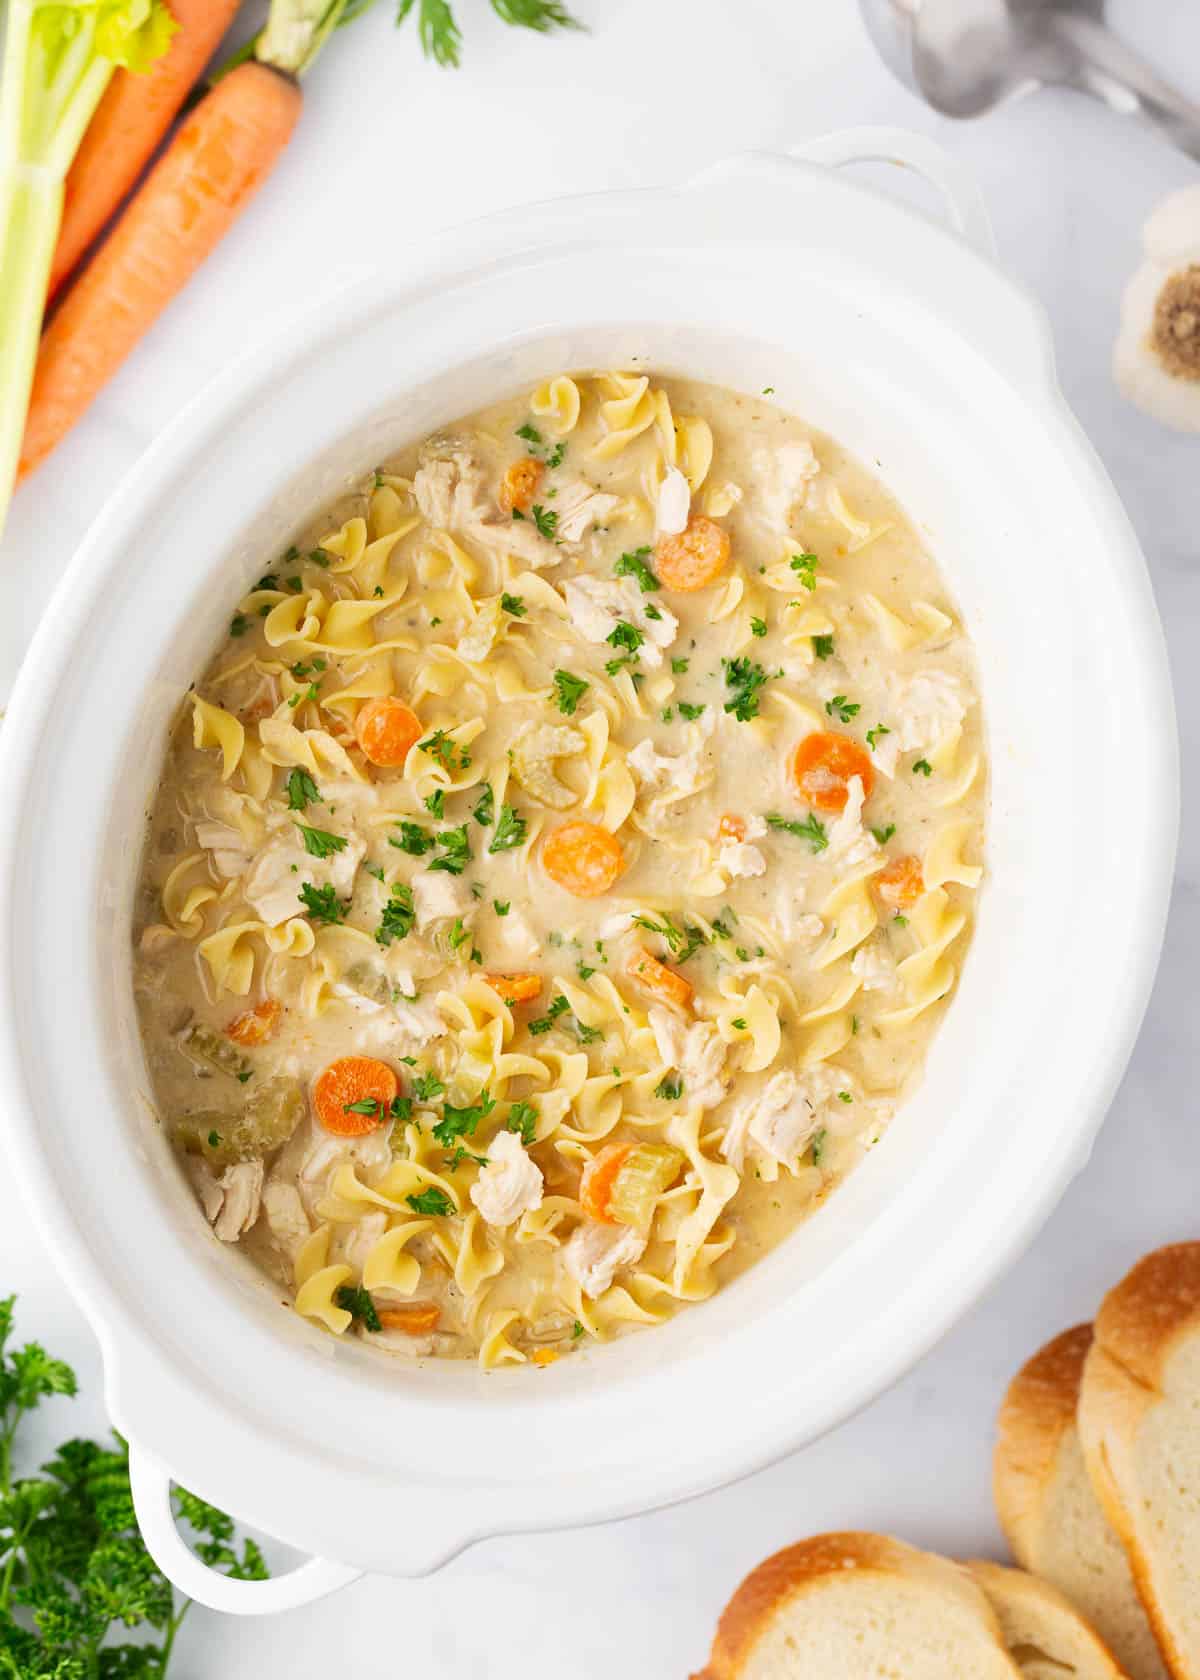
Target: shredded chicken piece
696, 1052
674, 504
594, 1253
273, 882
598, 605
849, 843
681, 774
438, 897
286, 1218
784, 478
230, 854
783, 1117
450, 484
922, 711
874, 966
231, 1202
510, 1184
580, 507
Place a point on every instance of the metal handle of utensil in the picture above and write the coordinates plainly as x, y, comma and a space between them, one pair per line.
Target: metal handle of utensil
1097, 62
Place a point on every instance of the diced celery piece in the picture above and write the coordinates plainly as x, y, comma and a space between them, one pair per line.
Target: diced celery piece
224, 1136
209, 1049
643, 1176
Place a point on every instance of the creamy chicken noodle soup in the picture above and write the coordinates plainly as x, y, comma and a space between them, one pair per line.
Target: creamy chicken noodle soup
558, 874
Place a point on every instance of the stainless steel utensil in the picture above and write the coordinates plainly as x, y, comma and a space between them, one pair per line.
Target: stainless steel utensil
965, 56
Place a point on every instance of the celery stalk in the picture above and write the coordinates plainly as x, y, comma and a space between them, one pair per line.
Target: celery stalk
58, 57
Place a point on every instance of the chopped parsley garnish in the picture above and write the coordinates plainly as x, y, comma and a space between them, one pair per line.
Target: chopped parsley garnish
625, 635
522, 1119
322, 903
543, 1023
584, 970
844, 1096
634, 566
412, 839
922, 767
485, 807
530, 434
319, 557
805, 565
555, 457
398, 915
514, 604
823, 648
303, 694
653, 612
302, 791
238, 624
401, 1109
841, 708
459, 934
570, 691
545, 519
883, 835
435, 804
357, 1302
433, 1201
510, 830
670, 1089
683, 941
900, 921
449, 754
688, 711
667, 713
456, 851
501, 909
374, 1106
874, 734
426, 1086
679, 666
758, 626
576, 1331
744, 678
461, 1122
587, 1035
739, 1021
811, 829
319, 843
818, 1146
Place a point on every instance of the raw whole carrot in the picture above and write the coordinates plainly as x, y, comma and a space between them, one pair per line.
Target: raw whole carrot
352, 1095
599, 1176
823, 766
901, 884
387, 730
131, 118
583, 857
219, 158
660, 980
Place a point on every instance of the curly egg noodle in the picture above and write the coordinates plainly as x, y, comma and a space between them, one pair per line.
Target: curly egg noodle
558, 874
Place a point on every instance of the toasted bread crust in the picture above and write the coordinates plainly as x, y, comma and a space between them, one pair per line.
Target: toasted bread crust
1037, 1411
804, 1567
1140, 1324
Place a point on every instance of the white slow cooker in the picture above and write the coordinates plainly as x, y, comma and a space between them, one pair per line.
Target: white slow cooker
904, 341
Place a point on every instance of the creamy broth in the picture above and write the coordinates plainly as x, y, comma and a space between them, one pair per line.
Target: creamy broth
557, 876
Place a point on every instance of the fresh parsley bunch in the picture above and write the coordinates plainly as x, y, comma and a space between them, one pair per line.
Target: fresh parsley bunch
73, 1569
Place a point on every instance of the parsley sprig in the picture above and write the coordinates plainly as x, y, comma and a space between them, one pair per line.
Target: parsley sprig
811, 829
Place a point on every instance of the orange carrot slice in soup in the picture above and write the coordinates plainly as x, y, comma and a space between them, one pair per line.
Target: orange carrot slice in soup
545, 1356
694, 557
731, 827
387, 730
257, 1025
582, 857
352, 1095
901, 884
519, 485
415, 1318
662, 981
596, 1185
823, 766
516, 988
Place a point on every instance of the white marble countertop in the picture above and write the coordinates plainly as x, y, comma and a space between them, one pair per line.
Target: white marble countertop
390, 147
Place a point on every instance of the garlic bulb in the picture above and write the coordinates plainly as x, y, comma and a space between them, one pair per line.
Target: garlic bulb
1156, 360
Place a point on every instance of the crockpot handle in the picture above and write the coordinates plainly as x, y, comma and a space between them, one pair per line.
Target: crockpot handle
151, 1489
958, 188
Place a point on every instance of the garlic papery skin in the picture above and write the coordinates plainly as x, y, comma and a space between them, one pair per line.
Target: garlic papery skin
1156, 359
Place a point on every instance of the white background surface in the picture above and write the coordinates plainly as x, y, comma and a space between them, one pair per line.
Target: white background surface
390, 147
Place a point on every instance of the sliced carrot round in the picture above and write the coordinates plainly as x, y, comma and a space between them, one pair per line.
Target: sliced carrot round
583, 857
694, 557
257, 1025
823, 766
901, 884
516, 988
596, 1185
545, 1356
519, 485
352, 1095
415, 1318
664, 982
731, 827
387, 730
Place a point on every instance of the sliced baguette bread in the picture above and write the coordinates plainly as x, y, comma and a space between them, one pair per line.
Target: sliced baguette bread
1139, 1422
1045, 1635
1049, 1513
858, 1607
